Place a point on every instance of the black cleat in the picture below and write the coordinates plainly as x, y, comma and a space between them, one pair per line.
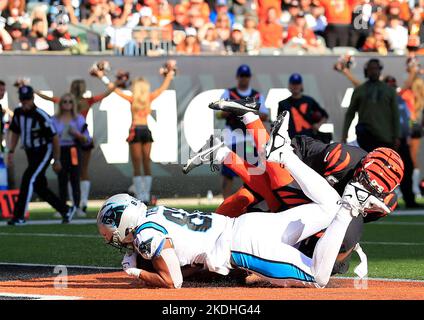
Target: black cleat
16, 222
67, 218
237, 107
279, 140
205, 155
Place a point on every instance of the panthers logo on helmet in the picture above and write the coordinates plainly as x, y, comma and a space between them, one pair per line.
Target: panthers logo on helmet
145, 247
112, 215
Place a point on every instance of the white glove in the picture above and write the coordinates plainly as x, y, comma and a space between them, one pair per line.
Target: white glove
133, 272
129, 261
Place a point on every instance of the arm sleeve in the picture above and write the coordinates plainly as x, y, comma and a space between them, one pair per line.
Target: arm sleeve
149, 243
95, 99
173, 264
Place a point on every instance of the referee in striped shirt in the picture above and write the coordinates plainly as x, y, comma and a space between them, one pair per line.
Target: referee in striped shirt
41, 143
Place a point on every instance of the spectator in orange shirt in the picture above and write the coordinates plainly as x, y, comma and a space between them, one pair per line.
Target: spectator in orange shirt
264, 5
165, 13
300, 35
271, 31
201, 7
399, 8
339, 18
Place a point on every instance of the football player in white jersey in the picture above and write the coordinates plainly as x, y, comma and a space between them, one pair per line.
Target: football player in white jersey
262, 243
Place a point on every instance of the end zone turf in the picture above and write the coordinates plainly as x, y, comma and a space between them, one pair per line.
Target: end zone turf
117, 285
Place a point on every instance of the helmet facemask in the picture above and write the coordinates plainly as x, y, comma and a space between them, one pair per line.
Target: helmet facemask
118, 219
369, 185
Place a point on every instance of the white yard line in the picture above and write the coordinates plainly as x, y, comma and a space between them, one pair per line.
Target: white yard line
51, 222
37, 296
57, 235
53, 266
93, 221
393, 243
382, 279
400, 223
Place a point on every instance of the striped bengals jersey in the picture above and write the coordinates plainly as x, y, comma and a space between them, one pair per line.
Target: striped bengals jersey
336, 162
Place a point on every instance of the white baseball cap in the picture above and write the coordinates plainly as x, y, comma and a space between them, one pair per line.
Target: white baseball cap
146, 12
237, 26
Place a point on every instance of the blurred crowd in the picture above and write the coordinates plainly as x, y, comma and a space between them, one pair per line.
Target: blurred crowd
216, 26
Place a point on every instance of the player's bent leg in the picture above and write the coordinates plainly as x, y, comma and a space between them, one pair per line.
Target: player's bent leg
258, 182
314, 186
256, 129
278, 176
237, 204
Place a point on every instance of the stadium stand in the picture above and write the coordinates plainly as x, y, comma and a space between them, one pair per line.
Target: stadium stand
160, 27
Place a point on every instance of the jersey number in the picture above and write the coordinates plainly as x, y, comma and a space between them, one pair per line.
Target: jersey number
196, 221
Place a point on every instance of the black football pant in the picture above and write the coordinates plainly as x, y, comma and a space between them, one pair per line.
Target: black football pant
70, 172
34, 179
337, 35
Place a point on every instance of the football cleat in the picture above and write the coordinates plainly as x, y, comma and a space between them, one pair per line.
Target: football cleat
67, 218
279, 140
237, 107
205, 155
16, 222
360, 201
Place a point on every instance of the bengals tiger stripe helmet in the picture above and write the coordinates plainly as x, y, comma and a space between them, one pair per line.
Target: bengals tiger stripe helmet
381, 171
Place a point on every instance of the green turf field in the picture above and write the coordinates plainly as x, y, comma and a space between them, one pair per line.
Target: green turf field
395, 245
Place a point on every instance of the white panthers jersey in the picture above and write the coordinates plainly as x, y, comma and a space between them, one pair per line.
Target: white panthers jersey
197, 237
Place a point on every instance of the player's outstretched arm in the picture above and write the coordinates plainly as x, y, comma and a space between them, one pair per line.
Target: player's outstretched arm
167, 272
45, 97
